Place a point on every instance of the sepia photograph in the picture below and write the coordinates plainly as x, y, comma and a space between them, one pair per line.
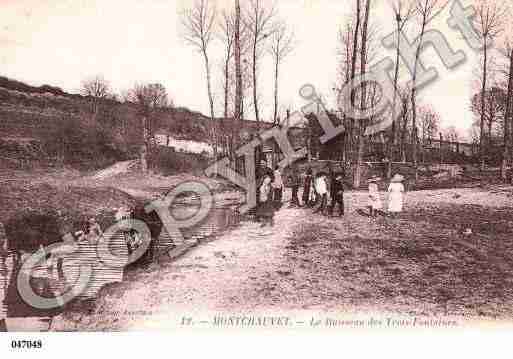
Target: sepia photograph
276, 165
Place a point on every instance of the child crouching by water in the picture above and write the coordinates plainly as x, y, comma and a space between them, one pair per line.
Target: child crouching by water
266, 206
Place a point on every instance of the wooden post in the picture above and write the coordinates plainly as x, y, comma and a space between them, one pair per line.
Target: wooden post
441, 151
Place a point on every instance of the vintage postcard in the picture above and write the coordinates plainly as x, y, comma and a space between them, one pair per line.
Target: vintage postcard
311, 165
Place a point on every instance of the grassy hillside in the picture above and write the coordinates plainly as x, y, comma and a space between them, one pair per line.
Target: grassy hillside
44, 126
62, 130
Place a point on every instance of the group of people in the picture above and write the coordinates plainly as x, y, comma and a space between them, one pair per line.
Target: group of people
270, 188
395, 196
317, 191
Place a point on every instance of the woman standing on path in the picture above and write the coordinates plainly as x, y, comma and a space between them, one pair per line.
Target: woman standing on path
266, 206
375, 204
395, 195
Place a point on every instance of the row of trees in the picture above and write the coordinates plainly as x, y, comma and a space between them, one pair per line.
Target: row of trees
491, 103
247, 33
148, 98
416, 122
358, 46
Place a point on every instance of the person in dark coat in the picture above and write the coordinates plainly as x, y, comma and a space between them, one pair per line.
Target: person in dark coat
306, 187
337, 193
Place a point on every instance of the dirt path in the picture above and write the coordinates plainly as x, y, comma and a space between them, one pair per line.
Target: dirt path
217, 276
114, 170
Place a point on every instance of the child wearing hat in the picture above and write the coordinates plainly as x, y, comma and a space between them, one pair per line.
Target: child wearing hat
395, 195
375, 204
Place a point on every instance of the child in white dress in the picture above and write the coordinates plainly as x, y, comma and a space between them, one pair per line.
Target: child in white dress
395, 195
375, 204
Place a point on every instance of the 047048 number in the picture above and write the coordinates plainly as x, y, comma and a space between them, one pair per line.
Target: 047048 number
26, 344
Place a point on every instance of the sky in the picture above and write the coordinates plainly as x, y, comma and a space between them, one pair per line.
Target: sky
63, 42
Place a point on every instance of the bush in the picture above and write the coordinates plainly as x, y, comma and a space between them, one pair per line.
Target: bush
82, 145
28, 230
168, 162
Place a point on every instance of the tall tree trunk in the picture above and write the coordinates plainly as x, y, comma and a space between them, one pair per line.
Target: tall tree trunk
507, 120
238, 73
490, 140
403, 136
276, 68
353, 70
226, 85
255, 95
483, 94
347, 122
441, 150
414, 96
211, 101
362, 123
395, 125
228, 139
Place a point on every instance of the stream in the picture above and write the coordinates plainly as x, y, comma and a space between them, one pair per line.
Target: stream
49, 280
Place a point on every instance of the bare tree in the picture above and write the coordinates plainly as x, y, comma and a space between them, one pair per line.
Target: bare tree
238, 67
234, 68
148, 98
227, 36
354, 53
199, 25
494, 110
489, 22
508, 121
353, 60
429, 122
259, 21
425, 9
345, 67
451, 134
282, 44
363, 65
403, 120
403, 12
97, 89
